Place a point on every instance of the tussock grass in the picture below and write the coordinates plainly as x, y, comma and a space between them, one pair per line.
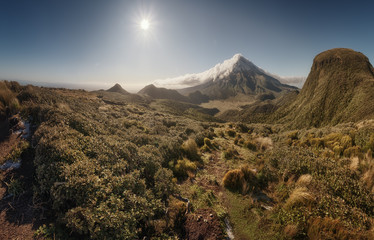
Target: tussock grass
241, 180
231, 133
300, 196
304, 180
8, 102
265, 143
191, 150
327, 228
251, 145
184, 168
291, 231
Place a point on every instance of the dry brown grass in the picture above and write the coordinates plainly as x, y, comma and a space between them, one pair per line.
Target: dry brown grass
265, 143
352, 151
8, 101
291, 231
190, 148
327, 228
304, 180
242, 180
368, 176
251, 145
355, 162
299, 196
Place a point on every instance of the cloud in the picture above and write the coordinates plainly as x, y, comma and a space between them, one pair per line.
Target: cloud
220, 71
293, 81
297, 81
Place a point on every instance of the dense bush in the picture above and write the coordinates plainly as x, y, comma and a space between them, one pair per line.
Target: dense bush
105, 180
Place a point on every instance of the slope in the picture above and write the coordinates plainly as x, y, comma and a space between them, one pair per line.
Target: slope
236, 76
339, 88
117, 88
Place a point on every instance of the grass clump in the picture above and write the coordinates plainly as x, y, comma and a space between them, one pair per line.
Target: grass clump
190, 149
229, 153
15, 187
241, 180
251, 145
299, 196
231, 133
184, 168
292, 137
304, 180
9, 103
327, 228
208, 145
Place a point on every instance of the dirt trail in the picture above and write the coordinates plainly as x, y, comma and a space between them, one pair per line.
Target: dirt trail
18, 218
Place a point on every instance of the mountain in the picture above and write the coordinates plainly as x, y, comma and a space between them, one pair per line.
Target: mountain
163, 93
118, 89
339, 88
235, 76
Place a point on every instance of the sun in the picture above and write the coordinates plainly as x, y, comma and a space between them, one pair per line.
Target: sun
144, 24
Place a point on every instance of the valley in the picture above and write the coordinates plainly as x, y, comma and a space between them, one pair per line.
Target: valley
240, 156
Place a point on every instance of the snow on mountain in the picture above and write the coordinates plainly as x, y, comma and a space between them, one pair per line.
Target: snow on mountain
235, 64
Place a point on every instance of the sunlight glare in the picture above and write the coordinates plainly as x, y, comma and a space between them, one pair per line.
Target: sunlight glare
144, 24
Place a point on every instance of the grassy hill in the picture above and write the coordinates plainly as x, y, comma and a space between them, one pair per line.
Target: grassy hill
118, 89
339, 88
108, 165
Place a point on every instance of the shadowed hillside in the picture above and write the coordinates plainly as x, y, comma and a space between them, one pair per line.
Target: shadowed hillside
162, 93
118, 89
238, 76
339, 88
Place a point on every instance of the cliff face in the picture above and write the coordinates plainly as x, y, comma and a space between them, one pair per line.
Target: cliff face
339, 88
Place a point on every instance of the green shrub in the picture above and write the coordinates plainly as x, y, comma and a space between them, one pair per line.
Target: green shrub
184, 168
15, 187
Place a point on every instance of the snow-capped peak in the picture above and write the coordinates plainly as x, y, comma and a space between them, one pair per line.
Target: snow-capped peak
220, 71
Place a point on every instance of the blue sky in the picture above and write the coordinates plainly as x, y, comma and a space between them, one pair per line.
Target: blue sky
98, 43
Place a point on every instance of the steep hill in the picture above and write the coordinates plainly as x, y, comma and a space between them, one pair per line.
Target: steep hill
117, 88
339, 88
236, 76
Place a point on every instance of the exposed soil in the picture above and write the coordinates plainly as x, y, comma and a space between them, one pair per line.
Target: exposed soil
18, 216
203, 224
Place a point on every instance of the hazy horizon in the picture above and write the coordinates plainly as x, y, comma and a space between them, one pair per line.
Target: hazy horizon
97, 43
